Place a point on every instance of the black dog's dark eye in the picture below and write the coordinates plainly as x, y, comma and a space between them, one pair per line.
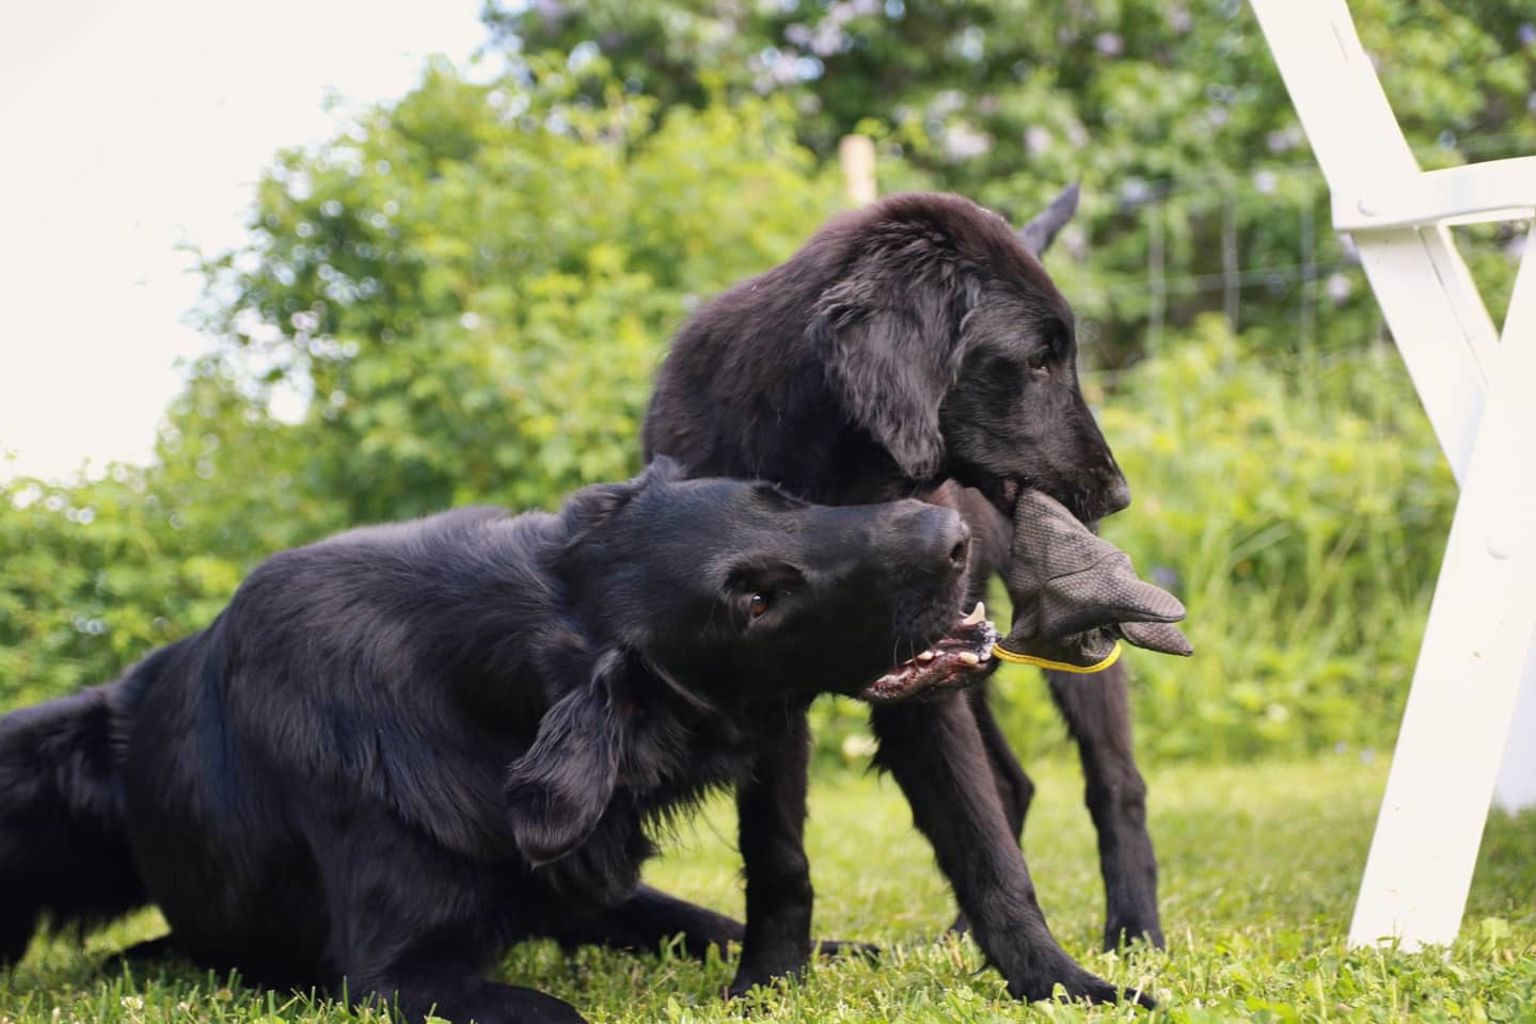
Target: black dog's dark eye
1039, 360
754, 589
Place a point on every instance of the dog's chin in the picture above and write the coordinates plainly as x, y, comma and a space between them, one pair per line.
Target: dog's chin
962, 656
1003, 495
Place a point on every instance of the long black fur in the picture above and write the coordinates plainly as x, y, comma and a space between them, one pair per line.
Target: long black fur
402, 749
910, 347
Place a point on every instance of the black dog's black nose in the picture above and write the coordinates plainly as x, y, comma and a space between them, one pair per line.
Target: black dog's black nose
928, 539
960, 552
1118, 497
947, 536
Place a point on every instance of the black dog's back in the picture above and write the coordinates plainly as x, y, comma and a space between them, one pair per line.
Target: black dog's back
164, 782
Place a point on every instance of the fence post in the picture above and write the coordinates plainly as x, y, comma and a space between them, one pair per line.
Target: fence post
1231, 275
1156, 271
857, 155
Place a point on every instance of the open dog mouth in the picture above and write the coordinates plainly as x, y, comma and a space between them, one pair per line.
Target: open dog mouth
962, 655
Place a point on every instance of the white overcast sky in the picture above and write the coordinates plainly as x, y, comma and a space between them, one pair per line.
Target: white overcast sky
127, 129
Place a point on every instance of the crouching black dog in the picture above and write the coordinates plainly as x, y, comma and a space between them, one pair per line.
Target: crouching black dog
402, 749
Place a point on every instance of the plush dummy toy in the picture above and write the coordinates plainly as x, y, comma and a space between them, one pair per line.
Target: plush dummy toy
1076, 596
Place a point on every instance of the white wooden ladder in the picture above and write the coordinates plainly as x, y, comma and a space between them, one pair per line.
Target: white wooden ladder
1470, 725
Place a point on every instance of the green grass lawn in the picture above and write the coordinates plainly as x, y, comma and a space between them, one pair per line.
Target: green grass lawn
1259, 867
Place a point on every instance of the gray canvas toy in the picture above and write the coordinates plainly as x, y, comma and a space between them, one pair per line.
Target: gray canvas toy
1076, 596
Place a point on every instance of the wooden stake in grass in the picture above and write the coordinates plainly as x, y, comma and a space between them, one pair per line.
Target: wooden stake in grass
857, 155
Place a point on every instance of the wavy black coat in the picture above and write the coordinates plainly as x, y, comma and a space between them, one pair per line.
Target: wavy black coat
402, 749
907, 348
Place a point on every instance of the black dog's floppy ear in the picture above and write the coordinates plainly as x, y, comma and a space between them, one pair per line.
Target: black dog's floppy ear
663, 469
590, 506
1039, 232
558, 791
890, 334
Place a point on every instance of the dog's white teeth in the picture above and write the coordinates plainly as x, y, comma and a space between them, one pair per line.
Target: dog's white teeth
977, 614
969, 658
986, 655
925, 656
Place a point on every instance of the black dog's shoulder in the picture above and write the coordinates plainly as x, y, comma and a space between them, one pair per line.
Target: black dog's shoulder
401, 664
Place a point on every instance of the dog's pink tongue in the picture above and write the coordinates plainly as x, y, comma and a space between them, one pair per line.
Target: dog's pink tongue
950, 663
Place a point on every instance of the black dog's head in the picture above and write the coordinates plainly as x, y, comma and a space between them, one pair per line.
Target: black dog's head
741, 594
951, 346
728, 597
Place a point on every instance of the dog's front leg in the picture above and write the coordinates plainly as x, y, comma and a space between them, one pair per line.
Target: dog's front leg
770, 807
1097, 710
936, 755
421, 987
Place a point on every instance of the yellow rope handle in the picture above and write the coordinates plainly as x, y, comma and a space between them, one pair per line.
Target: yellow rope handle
1060, 666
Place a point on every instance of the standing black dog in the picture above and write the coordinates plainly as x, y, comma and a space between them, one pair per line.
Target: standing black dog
914, 342
402, 749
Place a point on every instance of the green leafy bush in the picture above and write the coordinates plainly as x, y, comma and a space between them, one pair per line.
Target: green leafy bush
475, 284
465, 294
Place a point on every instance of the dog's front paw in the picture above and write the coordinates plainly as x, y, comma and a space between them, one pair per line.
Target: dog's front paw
1079, 986
766, 966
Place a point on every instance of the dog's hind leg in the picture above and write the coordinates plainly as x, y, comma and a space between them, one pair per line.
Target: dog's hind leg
1097, 711
153, 953
991, 545
650, 918
64, 852
1013, 786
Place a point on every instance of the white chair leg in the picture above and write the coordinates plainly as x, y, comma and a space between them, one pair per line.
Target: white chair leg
1516, 788
1469, 674
1454, 732
1475, 646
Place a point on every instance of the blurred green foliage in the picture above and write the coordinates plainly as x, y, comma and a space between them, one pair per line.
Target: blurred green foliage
1299, 503
462, 297
1166, 106
474, 285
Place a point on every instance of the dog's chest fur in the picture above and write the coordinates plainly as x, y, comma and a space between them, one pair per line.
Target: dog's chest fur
672, 761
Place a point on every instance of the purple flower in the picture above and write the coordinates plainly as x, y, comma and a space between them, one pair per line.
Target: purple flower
1110, 44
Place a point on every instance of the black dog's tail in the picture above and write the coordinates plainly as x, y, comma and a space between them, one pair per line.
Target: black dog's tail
64, 852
